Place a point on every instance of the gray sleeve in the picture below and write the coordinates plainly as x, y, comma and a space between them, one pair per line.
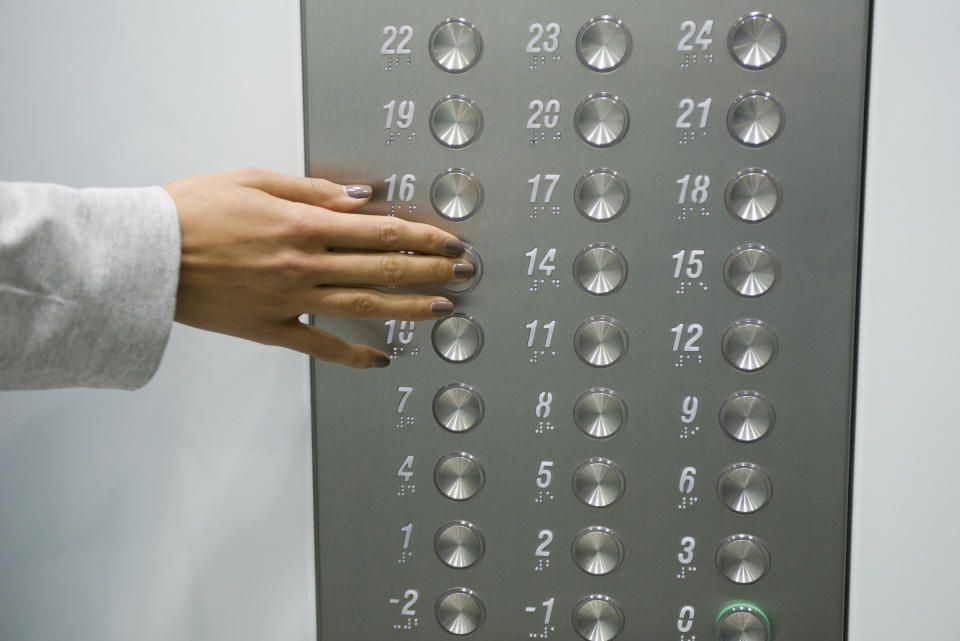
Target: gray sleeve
88, 284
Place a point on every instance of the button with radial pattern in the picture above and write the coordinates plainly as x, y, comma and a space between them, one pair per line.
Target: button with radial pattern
601, 195
456, 194
458, 407
598, 482
600, 269
459, 544
601, 120
753, 195
603, 44
598, 618
459, 476
460, 611
457, 338
455, 121
749, 345
600, 412
744, 488
597, 551
743, 622
751, 270
743, 559
756, 40
455, 45
600, 341
459, 287
747, 416
755, 119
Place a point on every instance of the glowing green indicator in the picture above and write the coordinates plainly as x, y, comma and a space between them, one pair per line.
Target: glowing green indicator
743, 622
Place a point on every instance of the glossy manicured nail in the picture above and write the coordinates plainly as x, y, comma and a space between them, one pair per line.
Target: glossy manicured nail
358, 192
381, 361
455, 247
464, 270
441, 308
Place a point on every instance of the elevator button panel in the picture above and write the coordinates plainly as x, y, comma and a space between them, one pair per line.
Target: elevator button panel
635, 423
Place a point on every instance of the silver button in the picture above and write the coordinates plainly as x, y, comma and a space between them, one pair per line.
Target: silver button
455, 121
600, 341
749, 345
600, 269
456, 194
600, 413
743, 622
455, 45
744, 488
755, 119
743, 559
601, 195
457, 338
458, 407
459, 611
751, 270
601, 120
459, 476
753, 195
598, 618
598, 482
459, 544
597, 551
463, 286
756, 40
747, 416
604, 43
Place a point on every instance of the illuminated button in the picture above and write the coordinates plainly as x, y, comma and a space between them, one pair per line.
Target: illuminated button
459, 476
747, 416
757, 40
456, 194
458, 544
601, 195
744, 488
603, 43
600, 413
601, 120
460, 611
457, 338
598, 618
455, 45
755, 119
597, 551
743, 622
463, 286
743, 559
753, 195
600, 341
458, 407
455, 121
598, 482
749, 345
600, 269
751, 270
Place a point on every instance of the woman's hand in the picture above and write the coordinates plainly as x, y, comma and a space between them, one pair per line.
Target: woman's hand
257, 252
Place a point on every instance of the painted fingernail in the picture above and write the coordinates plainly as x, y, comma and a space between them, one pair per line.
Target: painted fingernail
455, 247
359, 191
441, 308
381, 361
464, 270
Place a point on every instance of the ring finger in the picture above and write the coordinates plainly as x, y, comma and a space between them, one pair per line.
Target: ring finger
388, 269
366, 303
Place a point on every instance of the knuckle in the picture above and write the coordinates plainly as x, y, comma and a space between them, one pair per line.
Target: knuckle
292, 265
391, 270
301, 220
364, 304
390, 231
443, 270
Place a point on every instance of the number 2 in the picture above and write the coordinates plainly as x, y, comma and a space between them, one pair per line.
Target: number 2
545, 38
405, 32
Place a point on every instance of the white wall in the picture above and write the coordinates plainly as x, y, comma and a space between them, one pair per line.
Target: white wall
182, 511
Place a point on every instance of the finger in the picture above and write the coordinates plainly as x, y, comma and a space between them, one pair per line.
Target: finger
311, 191
389, 269
326, 347
387, 233
357, 302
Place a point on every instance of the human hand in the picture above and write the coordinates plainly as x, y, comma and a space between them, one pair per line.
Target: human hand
258, 251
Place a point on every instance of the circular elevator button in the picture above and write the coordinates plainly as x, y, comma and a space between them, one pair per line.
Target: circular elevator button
749, 345
600, 341
455, 121
751, 270
756, 40
753, 195
755, 119
601, 195
743, 559
459, 476
459, 611
600, 413
457, 338
744, 488
598, 482
463, 286
601, 120
747, 416
598, 618
455, 45
458, 544
600, 269
597, 551
456, 194
603, 44
743, 622
458, 407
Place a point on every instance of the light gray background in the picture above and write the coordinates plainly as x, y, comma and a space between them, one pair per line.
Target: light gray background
183, 511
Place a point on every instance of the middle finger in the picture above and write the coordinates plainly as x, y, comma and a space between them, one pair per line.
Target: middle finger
388, 269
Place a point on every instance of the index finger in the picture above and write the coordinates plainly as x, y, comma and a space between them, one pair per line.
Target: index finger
386, 233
